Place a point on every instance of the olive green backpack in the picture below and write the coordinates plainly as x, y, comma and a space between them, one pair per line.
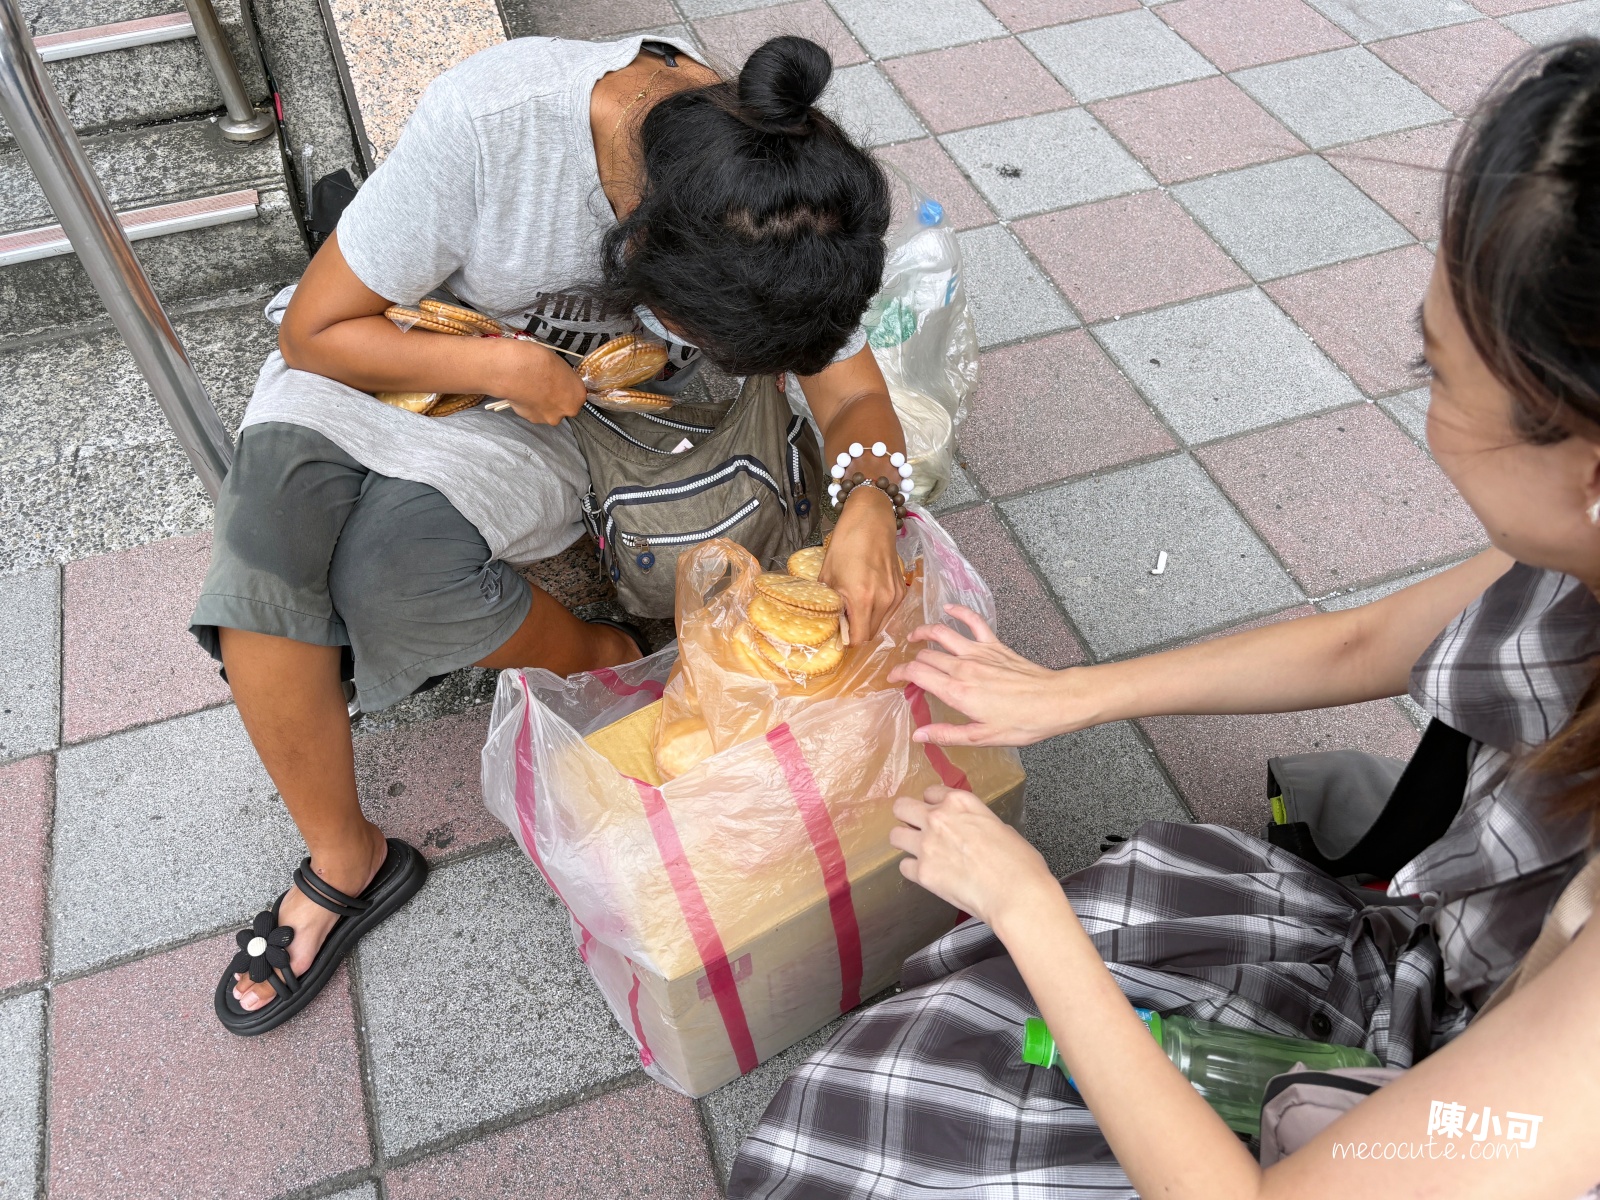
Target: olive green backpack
747, 469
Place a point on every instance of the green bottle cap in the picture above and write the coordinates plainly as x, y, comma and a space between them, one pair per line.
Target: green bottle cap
1038, 1047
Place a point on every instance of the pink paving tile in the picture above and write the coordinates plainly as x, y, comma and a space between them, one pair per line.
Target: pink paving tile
645, 1142
936, 173
28, 791
1050, 409
1454, 65
1220, 762
1128, 254
729, 39
1344, 498
1022, 15
602, 18
1247, 33
147, 1088
1196, 128
1404, 172
977, 84
1026, 618
422, 783
1363, 313
127, 656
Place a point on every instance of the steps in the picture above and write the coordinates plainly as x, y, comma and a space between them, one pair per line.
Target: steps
88, 463
141, 169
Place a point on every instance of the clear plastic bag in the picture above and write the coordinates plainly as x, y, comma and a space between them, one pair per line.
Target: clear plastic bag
921, 329
731, 911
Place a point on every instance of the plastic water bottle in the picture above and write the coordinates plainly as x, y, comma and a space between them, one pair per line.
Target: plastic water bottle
1229, 1067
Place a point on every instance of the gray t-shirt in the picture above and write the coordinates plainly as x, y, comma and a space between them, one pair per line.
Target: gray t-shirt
493, 193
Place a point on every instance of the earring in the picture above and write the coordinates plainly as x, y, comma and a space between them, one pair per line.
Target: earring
1594, 513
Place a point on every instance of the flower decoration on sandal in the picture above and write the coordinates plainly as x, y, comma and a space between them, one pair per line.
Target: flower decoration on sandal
263, 948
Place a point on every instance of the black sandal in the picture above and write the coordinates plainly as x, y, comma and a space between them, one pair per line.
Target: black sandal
264, 947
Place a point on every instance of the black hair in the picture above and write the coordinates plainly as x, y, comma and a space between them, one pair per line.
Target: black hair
1520, 237
759, 231
1520, 243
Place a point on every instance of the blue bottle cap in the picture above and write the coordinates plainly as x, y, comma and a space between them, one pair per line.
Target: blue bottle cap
930, 212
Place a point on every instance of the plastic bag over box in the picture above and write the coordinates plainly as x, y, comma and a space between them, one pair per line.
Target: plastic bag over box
731, 911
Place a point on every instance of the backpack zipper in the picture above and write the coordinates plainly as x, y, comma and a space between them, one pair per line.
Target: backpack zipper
740, 464
643, 541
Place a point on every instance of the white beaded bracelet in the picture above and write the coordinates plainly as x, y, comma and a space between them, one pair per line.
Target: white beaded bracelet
856, 451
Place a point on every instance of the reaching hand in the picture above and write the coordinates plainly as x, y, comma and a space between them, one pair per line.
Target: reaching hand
964, 854
542, 388
1011, 701
862, 564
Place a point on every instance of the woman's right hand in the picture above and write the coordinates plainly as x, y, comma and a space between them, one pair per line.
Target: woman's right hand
541, 386
1011, 701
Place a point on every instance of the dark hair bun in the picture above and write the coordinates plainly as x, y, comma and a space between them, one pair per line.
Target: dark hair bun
781, 80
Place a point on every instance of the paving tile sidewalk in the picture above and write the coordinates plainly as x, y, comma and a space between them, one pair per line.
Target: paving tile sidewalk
1194, 232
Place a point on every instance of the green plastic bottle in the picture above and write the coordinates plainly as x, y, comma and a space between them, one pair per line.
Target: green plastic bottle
1229, 1067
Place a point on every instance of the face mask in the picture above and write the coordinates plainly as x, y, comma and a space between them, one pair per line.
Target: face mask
648, 319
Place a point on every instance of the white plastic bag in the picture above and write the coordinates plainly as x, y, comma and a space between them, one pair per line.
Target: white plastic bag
736, 908
922, 333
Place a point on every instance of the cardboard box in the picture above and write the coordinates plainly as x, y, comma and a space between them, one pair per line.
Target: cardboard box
772, 955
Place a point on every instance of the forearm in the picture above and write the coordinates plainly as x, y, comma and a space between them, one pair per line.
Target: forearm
376, 355
1169, 1141
1318, 661
866, 420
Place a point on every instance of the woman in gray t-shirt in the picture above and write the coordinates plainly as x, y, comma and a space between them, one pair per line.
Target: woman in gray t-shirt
579, 190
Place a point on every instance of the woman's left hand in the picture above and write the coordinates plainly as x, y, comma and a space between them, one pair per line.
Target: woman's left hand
863, 565
964, 854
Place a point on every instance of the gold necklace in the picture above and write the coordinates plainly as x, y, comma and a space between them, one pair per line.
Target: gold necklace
627, 108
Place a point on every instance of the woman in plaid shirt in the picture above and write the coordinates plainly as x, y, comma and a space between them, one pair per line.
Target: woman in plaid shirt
926, 1095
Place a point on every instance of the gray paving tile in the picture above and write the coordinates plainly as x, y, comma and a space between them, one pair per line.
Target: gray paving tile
1281, 218
887, 30
1356, 597
1545, 25
1096, 540
733, 1110
868, 108
1340, 96
1034, 164
1370, 20
477, 1004
1087, 784
162, 833
1410, 409
30, 662
21, 1071
1010, 297
958, 494
1111, 56
1224, 364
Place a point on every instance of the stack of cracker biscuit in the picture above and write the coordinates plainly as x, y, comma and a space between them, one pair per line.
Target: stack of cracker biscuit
792, 626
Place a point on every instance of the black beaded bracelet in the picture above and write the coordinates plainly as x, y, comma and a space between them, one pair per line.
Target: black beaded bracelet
883, 484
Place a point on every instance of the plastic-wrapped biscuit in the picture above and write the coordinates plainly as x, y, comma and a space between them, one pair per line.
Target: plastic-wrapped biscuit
476, 321
808, 663
789, 626
621, 363
629, 400
805, 594
682, 745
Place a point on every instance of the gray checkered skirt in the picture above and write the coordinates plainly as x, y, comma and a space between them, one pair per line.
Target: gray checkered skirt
926, 1094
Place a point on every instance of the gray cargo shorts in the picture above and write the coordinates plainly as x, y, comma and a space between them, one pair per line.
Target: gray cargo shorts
311, 545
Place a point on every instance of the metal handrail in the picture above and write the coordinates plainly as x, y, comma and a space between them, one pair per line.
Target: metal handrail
37, 120
244, 122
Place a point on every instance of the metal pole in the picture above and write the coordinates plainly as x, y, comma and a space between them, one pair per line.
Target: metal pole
244, 122
37, 120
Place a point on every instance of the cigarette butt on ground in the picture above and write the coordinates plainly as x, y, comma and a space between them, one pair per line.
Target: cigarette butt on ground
1161, 564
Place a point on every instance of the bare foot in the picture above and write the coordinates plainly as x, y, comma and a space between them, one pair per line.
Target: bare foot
350, 873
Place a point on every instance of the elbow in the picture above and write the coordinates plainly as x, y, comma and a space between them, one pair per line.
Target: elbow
292, 345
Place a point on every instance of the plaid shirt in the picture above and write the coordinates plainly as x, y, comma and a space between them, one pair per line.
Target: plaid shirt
1508, 673
925, 1095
